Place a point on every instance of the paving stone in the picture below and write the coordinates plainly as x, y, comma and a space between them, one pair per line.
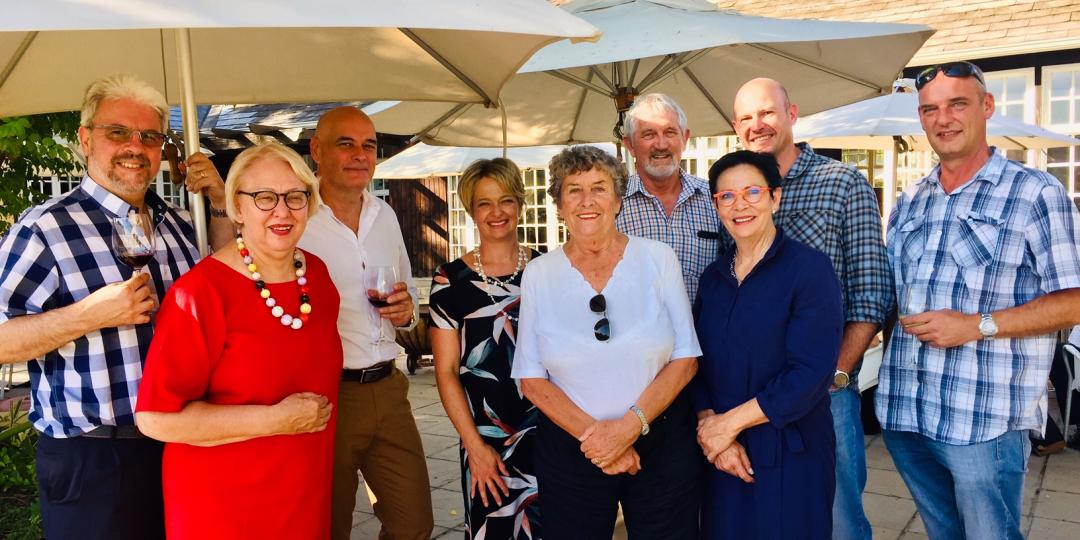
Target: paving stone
914, 536
917, 525
886, 482
1063, 472
433, 444
1058, 505
448, 507
449, 454
887, 512
1052, 529
434, 408
877, 456
366, 530
441, 532
442, 473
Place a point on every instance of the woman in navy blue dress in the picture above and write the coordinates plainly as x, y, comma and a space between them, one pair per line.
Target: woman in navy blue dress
769, 319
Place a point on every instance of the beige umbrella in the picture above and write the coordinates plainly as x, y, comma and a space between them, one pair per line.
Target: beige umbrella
272, 51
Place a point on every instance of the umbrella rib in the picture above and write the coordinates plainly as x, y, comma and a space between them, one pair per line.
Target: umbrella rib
676, 62
1016, 142
457, 108
593, 69
633, 72
580, 107
813, 65
708, 97
578, 81
488, 100
15, 58
657, 68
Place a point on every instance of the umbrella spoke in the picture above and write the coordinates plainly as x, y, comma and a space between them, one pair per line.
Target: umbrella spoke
633, 72
577, 110
14, 60
460, 107
578, 81
674, 63
705, 93
603, 79
816, 66
448, 65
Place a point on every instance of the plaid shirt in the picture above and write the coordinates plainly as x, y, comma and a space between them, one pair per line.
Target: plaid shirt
643, 215
1004, 238
58, 253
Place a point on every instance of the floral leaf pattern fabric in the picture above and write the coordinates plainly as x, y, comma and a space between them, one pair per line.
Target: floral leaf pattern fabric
504, 418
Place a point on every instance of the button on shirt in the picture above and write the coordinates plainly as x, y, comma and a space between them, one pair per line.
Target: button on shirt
643, 215
60, 252
346, 254
1007, 236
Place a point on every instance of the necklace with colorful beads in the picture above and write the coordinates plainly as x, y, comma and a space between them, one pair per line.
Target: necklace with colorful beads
295, 322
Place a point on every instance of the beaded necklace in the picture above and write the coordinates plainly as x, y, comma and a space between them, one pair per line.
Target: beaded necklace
292, 321
478, 266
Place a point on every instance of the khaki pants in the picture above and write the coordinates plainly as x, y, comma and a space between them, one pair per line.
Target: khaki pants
376, 434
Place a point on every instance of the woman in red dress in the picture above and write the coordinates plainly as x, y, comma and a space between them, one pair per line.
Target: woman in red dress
242, 374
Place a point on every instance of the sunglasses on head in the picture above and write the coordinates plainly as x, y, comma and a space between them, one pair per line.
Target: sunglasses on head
598, 305
951, 69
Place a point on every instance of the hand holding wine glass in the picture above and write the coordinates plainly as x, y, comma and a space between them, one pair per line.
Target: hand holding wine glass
379, 280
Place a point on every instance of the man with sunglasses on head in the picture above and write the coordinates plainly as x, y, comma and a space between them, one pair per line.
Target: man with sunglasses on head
376, 432
984, 255
83, 319
831, 207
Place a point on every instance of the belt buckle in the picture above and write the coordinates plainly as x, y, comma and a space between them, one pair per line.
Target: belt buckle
370, 374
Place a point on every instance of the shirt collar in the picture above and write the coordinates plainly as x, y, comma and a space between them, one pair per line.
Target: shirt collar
690, 185
119, 207
991, 171
802, 162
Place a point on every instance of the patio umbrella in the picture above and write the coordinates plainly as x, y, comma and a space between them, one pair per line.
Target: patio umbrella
687, 49
422, 160
271, 51
891, 123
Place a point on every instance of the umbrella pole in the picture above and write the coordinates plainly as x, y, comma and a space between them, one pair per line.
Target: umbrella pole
191, 132
888, 191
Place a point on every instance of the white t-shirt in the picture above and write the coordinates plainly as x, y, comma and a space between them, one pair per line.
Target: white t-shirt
378, 242
649, 315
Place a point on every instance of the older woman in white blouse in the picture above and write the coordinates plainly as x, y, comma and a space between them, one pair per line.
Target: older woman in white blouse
606, 345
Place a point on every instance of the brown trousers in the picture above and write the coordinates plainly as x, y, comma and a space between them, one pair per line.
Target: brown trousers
377, 435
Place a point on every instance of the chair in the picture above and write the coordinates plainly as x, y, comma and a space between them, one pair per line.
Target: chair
1072, 365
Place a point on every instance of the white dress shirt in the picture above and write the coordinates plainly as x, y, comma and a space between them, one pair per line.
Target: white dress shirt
649, 316
378, 242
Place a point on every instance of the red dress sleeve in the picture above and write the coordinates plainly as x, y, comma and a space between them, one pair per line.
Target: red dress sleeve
189, 334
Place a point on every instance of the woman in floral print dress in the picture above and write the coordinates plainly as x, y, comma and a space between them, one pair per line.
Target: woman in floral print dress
474, 306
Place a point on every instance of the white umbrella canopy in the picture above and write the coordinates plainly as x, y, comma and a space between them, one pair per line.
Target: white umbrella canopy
422, 160
874, 123
271, 51
274, 51
687, 49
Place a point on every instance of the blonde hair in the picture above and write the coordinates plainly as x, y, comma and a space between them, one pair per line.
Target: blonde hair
504, 172
123, 86
270, 150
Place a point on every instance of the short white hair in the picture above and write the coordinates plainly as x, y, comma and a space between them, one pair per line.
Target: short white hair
654, 101
123, 86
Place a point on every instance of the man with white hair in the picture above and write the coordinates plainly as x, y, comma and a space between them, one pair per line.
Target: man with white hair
83, 320
662, 201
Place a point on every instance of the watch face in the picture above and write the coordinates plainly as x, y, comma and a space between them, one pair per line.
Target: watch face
987, 327
840, 379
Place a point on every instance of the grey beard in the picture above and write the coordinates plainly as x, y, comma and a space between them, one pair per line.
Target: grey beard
662, 171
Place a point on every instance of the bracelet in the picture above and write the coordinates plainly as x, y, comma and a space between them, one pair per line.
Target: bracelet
641, 418
214, 212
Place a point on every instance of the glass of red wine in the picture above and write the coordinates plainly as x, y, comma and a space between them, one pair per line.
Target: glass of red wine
380, 281
133, 240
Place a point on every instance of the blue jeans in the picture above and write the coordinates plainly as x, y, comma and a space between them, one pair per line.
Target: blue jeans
964, 491
849, 519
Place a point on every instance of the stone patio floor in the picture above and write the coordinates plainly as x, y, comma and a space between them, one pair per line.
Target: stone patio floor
1051, 491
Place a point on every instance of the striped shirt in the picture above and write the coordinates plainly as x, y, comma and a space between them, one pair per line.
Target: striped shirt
58, 253
643, 215
1007, 236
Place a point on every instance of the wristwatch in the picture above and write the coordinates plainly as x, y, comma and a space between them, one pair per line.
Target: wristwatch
840, 379
987, 327
641, 418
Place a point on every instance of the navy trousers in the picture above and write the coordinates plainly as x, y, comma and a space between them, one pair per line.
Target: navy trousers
94, 489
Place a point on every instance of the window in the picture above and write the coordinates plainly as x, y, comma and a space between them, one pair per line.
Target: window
462, 233
1061, 113
380, 187
1014, 93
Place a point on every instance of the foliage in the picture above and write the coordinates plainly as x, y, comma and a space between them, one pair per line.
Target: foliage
28, 146
19, 512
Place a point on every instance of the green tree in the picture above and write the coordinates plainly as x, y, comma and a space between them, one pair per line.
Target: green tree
27, 147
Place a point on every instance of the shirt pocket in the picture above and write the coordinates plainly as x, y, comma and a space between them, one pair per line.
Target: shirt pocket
978, 241
816, 228
909, 242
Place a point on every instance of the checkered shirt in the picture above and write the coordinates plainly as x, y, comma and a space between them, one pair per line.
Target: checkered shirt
58, 253
643, 215
1004, 238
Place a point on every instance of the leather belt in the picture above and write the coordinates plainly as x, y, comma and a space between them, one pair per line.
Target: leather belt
114, 432
367, 375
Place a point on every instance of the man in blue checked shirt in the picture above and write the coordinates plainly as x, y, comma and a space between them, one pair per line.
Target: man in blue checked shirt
83, 319
662, 201
984, 252
831, 207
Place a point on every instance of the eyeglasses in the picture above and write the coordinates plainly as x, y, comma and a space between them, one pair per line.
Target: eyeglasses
951, 69
750, 194
598, 305
122, 134
268, 200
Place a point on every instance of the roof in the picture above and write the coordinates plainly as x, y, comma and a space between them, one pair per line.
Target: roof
966, 29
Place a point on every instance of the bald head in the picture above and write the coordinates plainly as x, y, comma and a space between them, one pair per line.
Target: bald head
764, 117
345, 149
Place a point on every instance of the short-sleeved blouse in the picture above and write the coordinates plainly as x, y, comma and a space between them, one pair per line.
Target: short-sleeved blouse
650, 320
